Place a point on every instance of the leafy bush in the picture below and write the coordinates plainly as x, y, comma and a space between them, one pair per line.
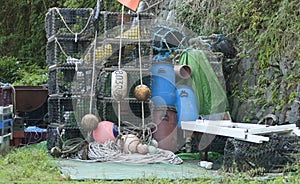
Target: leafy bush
20, 73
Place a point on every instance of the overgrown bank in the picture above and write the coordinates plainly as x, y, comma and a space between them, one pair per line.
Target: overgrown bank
264, 77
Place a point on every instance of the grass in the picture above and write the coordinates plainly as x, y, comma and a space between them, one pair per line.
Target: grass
32, 164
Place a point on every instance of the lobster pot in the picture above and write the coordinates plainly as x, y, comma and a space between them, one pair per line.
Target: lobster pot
130, 111
273, 155
60, 109
63, 50
164, 117
110, 24
185, 104
107, 53
56, 135
69, 79
60, 78
163, 84
133, 79
69, 110
167, 39
65, 22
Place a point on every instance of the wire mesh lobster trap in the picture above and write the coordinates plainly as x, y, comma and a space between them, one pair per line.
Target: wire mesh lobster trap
130, 111
69, 22
131, 108
70, 79
109, 25
59, 50
69, 110
271, 156
107, 53
57, 135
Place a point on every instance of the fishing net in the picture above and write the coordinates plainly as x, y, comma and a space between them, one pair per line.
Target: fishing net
271, 155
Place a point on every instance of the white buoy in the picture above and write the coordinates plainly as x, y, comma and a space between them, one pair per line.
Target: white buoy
119, 85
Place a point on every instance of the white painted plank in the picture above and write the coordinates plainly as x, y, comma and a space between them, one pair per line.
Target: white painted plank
210, 129
237, 133
229, 123
272, 129
255, 138
296, 131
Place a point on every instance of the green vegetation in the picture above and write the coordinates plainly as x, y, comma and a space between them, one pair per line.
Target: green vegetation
267, 32
20, 73
28, 164
23, 37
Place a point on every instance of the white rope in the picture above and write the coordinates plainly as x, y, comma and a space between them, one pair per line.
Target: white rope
110, 152
60, 47
93, 73
119, 67
74, 33
141, 76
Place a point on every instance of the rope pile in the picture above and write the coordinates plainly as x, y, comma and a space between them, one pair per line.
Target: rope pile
110, 152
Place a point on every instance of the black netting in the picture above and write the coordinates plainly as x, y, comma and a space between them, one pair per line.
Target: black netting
271, 155
58, 134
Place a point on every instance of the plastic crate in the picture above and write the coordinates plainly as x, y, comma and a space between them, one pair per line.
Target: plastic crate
69, 110
59, 50
5, 143
6, 116
65, 22
6, 95
6, 127
6, 109
6, 123
67, 79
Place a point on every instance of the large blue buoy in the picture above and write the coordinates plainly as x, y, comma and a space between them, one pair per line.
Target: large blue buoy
163, 84
185, 104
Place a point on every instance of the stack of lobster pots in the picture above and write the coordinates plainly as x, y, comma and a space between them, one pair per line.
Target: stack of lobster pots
126, 63
82, 55
70, 33
6, 117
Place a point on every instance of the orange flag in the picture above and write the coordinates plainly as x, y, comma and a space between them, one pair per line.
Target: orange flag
131, 4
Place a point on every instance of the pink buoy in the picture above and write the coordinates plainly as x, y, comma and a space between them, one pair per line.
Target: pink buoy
104, 132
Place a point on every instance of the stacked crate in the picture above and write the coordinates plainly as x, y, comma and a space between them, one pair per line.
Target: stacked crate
107, 54
70, 32
6, 117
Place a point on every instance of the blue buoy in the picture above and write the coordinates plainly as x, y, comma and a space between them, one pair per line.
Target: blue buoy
185, 104
163, 84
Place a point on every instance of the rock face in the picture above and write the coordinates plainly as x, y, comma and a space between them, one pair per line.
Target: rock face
254, 94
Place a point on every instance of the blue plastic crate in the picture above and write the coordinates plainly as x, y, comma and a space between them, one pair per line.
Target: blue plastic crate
6, 116
6, 123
